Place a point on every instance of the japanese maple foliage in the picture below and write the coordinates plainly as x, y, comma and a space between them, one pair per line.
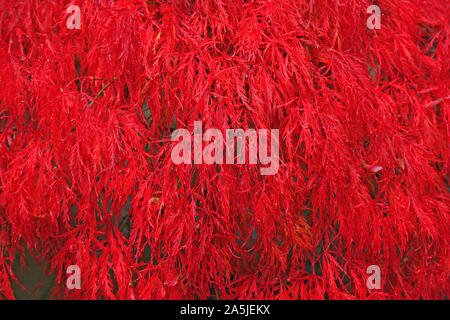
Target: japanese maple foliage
86, 176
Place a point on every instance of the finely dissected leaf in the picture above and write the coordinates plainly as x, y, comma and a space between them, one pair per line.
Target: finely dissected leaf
86, 176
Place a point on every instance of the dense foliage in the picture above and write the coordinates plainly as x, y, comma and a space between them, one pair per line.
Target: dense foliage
86, 176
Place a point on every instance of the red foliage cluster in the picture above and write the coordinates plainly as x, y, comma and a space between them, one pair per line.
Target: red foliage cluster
86, 176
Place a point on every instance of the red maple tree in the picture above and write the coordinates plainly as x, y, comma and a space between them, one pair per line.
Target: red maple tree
86, 176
